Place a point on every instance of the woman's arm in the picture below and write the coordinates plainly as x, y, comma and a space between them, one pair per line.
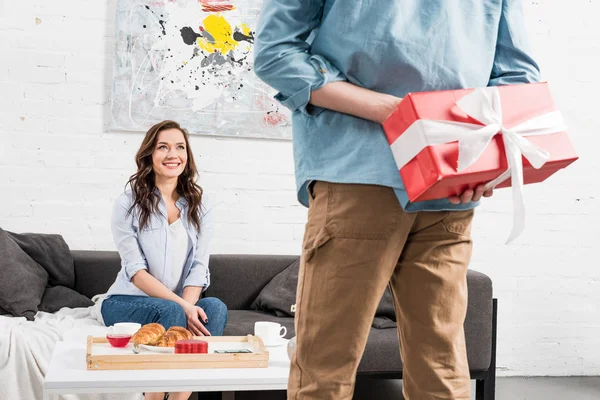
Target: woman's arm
126, 238
155, 288
191, 294
199, 276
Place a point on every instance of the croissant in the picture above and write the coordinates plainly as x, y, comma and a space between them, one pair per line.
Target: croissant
174, 334
148, 334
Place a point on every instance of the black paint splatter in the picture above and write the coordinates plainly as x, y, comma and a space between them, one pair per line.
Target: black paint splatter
160, 21
232, 60
189, 36
240, 37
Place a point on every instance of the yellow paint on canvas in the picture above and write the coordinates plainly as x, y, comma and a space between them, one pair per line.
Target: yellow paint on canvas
246, 30
220, 30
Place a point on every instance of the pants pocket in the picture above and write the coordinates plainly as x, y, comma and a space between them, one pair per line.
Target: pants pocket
459, 222
314, 241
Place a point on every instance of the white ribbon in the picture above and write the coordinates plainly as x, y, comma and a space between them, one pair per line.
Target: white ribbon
484, 105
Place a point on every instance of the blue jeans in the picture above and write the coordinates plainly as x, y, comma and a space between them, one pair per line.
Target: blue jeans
145, 310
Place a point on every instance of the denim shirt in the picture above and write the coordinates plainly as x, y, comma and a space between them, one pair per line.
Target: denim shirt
149, 248
392, 47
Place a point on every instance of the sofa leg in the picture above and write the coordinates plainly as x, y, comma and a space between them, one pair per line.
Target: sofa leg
480, 389
490, 389
485, 389
228, 396
490, 384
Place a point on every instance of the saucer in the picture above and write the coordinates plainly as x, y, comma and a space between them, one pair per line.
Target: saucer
156, 349
277, 343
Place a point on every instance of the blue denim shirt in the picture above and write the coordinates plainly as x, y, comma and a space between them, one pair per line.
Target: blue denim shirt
149, 248
392, 47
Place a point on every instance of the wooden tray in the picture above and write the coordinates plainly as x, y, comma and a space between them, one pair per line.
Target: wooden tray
100, 355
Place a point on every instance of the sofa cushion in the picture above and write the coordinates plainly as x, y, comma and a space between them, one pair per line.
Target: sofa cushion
57, 297
52, 253
22, 280
279, 296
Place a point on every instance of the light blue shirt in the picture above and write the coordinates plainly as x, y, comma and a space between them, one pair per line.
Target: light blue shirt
149, 248
392, 47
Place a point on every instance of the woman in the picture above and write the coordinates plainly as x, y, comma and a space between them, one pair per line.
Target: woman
162, 229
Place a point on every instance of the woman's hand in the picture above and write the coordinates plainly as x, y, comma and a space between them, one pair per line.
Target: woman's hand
195, 316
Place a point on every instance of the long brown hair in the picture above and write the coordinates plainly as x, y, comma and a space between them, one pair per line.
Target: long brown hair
143, 181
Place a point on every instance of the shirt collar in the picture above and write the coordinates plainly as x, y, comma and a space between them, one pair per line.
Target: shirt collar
181, 202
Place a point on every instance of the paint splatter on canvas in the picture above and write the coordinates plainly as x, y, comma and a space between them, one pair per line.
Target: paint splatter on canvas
191, 61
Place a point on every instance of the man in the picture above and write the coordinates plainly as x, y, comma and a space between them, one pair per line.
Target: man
342, 66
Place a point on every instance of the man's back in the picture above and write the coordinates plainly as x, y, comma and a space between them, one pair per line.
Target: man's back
405, 46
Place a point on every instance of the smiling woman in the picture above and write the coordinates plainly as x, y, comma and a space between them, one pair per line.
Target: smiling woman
162, 228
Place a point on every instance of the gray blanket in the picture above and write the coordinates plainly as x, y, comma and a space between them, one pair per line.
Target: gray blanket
37, 273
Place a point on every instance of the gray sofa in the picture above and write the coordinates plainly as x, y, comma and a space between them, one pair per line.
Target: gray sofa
238, 279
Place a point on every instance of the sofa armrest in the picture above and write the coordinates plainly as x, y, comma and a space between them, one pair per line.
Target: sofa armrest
478, 322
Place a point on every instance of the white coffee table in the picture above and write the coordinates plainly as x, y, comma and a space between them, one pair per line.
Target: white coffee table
67, 374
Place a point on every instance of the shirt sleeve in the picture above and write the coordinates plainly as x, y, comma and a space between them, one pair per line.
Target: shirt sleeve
513, 62
199, 274
125, 236
282, 56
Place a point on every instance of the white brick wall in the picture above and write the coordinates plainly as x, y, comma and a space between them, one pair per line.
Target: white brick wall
60, 172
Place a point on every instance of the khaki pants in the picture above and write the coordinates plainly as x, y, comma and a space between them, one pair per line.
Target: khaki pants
358, 240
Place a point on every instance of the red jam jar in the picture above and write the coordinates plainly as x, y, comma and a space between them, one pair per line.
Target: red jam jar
118, 339
191, 346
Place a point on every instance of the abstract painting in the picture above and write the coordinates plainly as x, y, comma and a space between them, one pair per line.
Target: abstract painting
191, 61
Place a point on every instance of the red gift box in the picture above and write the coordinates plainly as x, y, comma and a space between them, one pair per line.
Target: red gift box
432, 173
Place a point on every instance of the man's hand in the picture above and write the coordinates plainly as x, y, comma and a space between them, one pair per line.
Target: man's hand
471, 195
195, 316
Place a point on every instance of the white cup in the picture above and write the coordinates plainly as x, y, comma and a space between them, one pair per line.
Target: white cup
270, 332
124, 328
